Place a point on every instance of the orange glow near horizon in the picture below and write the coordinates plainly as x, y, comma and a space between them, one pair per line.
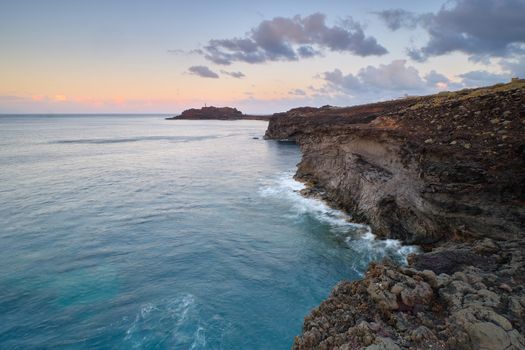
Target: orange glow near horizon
93, 92
127, 68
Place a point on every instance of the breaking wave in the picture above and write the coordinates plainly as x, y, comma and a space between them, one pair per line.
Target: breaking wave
358, 237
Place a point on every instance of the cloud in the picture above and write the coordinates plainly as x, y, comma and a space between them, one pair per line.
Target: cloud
434, 78
514, 65
393, 80
237, 75
203, 71
481, 78
297, 92
394, 77
307, 51
289, 39
398, 18
478, 28
437, 80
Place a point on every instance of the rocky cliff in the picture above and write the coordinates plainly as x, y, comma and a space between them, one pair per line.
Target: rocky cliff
444, 171
218, 113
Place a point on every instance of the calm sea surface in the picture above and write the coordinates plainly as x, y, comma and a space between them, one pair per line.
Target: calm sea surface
122, 232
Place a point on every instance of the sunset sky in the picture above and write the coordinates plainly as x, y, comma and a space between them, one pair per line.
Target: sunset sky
122, 56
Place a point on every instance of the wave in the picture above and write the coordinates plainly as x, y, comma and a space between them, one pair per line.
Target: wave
173, 323
286, 187
176, 139
357, 237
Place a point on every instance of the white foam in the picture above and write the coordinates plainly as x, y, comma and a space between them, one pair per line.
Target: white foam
359, 237
199, 337
179, 316
285, 187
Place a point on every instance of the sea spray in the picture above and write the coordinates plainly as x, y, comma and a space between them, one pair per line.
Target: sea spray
358, 237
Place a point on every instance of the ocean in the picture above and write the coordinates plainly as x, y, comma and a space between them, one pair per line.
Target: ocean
133, 232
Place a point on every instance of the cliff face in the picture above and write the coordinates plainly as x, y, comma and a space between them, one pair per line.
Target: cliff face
445, 171
217, 113
421, 169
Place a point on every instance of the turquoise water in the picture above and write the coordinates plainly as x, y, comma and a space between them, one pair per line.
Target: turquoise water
135, 232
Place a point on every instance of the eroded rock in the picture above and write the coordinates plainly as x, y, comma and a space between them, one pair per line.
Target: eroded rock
461, 195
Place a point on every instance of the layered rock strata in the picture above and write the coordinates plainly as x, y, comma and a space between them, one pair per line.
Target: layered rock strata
446, 172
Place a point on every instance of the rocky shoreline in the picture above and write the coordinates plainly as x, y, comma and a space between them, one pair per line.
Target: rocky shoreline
445, 171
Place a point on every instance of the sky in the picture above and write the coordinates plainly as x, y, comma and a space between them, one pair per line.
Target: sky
160, 56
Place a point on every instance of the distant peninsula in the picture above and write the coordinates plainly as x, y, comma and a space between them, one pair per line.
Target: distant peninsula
217, 113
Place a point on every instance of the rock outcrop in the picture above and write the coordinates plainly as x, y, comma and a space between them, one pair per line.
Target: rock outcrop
218, 113
446, 172
472, 305
420, 169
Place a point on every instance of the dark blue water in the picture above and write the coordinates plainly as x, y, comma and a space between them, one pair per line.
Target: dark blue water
135, 232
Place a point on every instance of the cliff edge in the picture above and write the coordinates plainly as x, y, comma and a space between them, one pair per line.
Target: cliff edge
446, 172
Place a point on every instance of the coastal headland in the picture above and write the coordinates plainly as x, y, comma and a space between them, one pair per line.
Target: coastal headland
446, 172
217, 113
